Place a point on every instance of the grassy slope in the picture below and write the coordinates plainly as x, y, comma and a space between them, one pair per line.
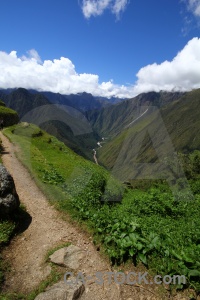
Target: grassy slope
146, 226
53, 164
64, 122
81, 144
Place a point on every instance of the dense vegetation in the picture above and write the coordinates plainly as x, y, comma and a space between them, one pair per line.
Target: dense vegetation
8, 115
6, 230
142, 225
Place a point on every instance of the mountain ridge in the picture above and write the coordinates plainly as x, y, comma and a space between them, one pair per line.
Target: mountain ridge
81, 101
111, 120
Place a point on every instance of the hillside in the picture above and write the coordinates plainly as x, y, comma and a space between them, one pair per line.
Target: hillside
22, 101
9, 116
65, 122
41, 231
158, 134
110, 121
143, 226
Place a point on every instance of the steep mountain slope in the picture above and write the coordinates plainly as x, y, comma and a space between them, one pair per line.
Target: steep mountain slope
153, 137
183, 122
111, 120
22, 101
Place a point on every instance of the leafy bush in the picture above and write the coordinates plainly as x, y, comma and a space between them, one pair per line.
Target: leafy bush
9, 116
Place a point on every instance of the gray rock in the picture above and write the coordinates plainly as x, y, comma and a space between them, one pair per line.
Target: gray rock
63, 291
69, 257
9, 200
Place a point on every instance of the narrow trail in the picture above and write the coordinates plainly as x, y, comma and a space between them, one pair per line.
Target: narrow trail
27, 251
137, 118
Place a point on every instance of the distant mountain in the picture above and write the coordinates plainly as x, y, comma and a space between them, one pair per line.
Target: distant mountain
22, 101
65, 122
81, 101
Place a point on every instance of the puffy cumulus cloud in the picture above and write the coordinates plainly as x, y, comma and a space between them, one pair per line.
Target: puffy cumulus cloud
194, 7
33, 55
60, 76
180, 74
57, 76
97, 7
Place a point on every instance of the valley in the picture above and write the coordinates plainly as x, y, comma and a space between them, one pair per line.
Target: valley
137, 195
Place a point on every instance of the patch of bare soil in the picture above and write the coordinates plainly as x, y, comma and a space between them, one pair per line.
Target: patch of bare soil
27, 250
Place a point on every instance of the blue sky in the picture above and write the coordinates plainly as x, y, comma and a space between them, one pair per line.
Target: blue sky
106, 47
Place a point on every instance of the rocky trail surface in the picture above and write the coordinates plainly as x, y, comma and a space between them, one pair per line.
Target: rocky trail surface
46, 229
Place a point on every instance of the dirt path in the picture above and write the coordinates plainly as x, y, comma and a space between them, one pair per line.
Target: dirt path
27, 251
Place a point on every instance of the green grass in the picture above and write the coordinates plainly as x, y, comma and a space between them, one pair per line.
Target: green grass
146, 226
55, 167
7, 228
60, 246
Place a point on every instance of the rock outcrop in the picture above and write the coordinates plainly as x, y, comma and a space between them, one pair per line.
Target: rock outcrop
69, 257
9, 200
63, 291
70, 289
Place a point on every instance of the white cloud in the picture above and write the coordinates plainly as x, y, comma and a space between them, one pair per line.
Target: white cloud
119, 6
33, 55
194, 7
57, 76
97, 7
94, 8
60, 76
180, 74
